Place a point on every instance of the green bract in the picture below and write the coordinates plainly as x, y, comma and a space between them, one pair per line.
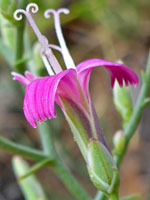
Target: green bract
77, 124
101, 167
123, 102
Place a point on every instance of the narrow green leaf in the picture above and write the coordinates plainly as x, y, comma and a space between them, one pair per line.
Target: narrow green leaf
35, 168
30, 186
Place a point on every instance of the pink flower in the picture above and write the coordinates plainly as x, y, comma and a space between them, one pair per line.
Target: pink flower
71, 85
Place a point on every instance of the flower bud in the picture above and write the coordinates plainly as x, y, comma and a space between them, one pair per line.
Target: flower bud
119, 141
123, 102
102, 168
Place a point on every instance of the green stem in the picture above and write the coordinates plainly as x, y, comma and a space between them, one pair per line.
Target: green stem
58, 166
35, 168
137, 114
14, 148
46, 139
114, 196
19, 42
100, 196
73, 186
134, 121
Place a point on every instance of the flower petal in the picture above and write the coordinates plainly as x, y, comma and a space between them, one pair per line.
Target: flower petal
31, 77
30, 101
69, 87
40, 97
25, 80
117, 71
20, 78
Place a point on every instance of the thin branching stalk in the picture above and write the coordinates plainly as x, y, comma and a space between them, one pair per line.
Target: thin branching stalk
19, 41
22, 150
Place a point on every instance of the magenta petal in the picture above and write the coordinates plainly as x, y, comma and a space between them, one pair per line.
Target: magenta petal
25, 80
31, 77
118, 72
30, 101
28, 116
20, 78
40, 98
55, 88
69, 87
44, 96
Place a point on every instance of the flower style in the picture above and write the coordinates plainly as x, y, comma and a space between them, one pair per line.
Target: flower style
68, 88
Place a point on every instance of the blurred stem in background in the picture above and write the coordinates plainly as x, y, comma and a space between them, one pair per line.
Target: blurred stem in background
19, 41
22, 150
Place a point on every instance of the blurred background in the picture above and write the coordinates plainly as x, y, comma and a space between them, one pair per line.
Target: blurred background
112, 30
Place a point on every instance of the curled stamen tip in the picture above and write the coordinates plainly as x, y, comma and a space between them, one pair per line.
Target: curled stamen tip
48, 12
18, 14
33, 6
54, 12
63, 10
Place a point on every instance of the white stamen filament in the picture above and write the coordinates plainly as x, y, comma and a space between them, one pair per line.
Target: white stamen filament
53, 46
46, 63
42, 39
45, 59
65, 52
